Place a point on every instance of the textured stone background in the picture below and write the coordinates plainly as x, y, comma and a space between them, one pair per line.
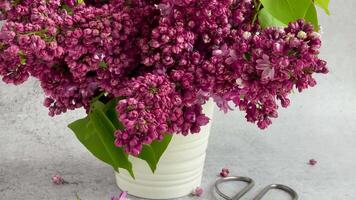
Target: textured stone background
320, 124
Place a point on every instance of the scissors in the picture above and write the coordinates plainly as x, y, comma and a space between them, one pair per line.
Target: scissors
250, 183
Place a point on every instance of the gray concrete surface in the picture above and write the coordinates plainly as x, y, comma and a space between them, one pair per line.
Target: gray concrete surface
320, 124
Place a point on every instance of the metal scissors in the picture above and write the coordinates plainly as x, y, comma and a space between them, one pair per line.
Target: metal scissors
250, 183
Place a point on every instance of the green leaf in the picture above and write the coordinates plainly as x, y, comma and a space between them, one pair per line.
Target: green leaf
312, 16
83, 129
286, 10
159, 147
147, 154
267, 20
96, 133
152, 153
22, 57
67, 8
15, 2
106, 130
103, 65
324, 4
110, 111
279, 12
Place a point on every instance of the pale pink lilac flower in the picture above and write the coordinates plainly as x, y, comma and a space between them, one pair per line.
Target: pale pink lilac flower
266, 67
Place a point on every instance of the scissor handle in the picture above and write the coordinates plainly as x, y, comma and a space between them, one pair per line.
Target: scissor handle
284, 188
250, 183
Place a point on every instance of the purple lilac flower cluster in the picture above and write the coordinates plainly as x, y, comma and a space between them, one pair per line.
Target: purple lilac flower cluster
151, 109
163, 58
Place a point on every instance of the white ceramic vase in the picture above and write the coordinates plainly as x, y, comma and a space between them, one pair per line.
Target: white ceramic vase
178, 172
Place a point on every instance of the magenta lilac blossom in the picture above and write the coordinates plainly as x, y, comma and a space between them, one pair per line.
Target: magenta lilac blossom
164, 59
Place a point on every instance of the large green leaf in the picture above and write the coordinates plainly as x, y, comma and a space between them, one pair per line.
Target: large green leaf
153, 152
312, 16
96, 133
279, 12
287, 10
147, 154
324, 4
159, 147
86, 136
110, 111
267, 20
106, 130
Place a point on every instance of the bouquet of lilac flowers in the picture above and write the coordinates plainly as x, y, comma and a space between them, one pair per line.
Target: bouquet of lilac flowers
142, 69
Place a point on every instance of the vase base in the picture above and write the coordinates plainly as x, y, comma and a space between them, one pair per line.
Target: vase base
158, 193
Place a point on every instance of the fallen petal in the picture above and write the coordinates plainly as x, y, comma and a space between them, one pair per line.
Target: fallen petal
122, 196
224, 172
57, 179
198, 192
312, 162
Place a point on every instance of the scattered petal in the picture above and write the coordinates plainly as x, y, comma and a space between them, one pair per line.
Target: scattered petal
198, 192
57, 179
122, 196
312, 162
224, 172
